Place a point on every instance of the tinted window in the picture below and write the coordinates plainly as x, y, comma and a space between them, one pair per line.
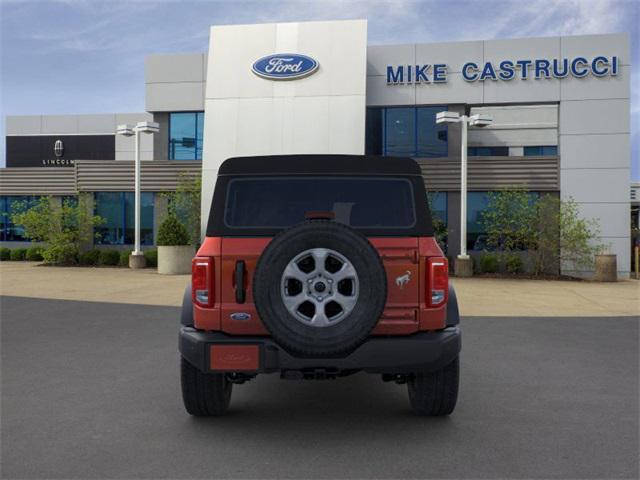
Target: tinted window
488, 151
282, 202
406, 132
541, 151
185, 135
117, 210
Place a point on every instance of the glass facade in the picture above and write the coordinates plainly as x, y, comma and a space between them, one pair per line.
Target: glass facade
541, 151
9, 232
117, 209
406, 131
488, 151
185, 135
438, 206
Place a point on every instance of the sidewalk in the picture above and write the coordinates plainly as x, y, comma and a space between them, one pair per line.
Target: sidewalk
476, 296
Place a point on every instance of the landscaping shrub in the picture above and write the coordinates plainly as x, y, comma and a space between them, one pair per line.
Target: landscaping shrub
64, 228
513, 263
124, 258
152, 258
18, 254
90, 257
172, 232
109, 257
489, 263
34, 254
61, 254
5, 254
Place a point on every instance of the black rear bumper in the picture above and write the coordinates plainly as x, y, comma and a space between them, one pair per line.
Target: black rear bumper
424, 351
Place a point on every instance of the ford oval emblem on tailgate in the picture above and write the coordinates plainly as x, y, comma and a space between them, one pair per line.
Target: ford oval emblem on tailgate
240, 316
284, 66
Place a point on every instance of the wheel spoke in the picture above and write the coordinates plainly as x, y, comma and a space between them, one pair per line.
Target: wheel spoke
347, 302
346, 271
320, 318
293, 271
319, 257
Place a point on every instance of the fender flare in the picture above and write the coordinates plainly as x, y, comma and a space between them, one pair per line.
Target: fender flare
453, 313
186, 314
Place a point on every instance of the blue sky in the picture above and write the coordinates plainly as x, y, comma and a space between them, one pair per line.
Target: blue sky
84, 56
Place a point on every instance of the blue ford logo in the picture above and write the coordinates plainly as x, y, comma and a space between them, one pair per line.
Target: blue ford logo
284, 66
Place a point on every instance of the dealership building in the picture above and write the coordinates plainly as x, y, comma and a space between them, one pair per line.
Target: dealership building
560, 108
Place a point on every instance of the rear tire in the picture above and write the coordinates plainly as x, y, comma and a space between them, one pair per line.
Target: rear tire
204, 394
435, 394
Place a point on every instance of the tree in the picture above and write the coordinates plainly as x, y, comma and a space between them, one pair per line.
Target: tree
184, 203
564, 238
509, 219
63, 227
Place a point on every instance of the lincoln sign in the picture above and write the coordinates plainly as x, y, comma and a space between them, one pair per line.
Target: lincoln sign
506, 70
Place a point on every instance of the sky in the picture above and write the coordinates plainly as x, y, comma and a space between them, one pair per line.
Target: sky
87, 56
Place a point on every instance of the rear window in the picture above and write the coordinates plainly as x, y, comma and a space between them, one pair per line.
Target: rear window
283, 201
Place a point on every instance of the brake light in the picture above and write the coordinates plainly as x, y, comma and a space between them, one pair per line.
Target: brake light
437, 281
202, 281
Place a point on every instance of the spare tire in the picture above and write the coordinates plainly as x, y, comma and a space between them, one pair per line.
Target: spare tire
319, 288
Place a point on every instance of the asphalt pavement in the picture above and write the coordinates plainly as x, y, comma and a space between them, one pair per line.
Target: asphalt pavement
91, 390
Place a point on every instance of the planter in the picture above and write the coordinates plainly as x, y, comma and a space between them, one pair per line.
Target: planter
175, 260
606, 268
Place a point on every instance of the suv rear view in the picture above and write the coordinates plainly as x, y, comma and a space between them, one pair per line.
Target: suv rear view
319, 266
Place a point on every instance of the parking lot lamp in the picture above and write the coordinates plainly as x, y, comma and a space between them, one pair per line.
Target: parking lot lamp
136, 259
463, 263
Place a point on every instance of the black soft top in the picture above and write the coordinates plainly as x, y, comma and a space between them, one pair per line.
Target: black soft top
320, 164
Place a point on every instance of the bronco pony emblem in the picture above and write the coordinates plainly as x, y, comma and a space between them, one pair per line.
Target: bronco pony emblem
402, 280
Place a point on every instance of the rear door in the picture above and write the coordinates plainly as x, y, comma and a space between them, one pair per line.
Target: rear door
239, 259
401, 261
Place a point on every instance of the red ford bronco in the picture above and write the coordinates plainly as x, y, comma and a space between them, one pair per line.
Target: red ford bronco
319, 266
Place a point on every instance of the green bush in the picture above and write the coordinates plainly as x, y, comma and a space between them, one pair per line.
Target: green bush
34, 254
172, 232
109, 257
63, 227
90, 257
61, 254
124, 258
5, 254
152, 258
513, 263
18, 254
489, 263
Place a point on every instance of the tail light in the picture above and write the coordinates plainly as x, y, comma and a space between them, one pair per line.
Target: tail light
202, 281
437, 281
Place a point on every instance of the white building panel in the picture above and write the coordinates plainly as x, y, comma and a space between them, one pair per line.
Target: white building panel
175, 97
596, 88
454, 90
595, 151
249, 115
59, 124
380, 56
453, 54
596, 185
23, 125
381, 94
590, 46
594, 117
521, 49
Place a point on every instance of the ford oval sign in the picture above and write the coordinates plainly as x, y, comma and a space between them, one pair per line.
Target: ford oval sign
285, 66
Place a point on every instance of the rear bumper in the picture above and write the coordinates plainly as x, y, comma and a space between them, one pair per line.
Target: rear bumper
424, 351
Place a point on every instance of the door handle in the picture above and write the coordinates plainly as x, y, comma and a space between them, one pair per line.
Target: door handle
239, 276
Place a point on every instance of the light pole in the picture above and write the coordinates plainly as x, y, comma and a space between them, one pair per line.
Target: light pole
136, 259
463, 264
